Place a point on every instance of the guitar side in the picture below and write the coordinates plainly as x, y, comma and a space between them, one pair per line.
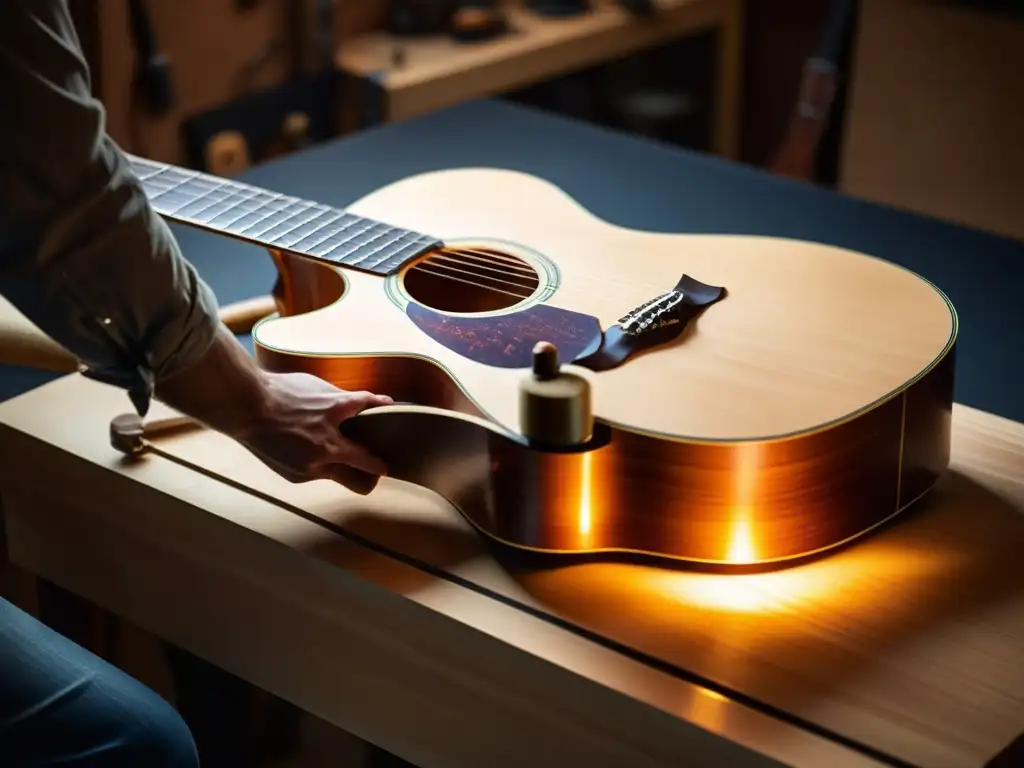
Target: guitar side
694, 494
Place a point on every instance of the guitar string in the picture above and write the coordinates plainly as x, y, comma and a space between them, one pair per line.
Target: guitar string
527, 271
506, 267
471, 263
486, 255
448, 269
469, 266
477, 285
509, 264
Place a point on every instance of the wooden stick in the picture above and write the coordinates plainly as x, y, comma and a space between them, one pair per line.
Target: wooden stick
22, 343
241, 316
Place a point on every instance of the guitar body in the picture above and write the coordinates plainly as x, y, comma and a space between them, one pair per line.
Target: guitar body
808, 406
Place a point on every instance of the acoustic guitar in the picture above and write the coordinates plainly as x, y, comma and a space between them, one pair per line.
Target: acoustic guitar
573, 386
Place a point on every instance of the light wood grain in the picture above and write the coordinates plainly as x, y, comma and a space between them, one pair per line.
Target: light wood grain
438, 72
807, 334
822, 382
908, 641
806, 407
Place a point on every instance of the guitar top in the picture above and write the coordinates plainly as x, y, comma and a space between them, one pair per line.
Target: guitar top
759, 399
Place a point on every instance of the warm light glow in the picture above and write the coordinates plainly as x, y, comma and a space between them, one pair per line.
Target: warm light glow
741, 541
734, 594
740, 547
707, 709
836, 580
585, 511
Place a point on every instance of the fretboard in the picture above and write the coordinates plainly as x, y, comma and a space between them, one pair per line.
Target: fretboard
278, 221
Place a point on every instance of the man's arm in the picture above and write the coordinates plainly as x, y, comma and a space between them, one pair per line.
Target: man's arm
84, 256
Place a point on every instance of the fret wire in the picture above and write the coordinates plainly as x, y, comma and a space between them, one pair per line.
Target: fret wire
172, 189
354, 229
277, 203
220, 185
304, 227
182, 187
309, 208
315, 248
374, 252
194, 214
254, 211
320, 227
252, 192
269, 223
191, 178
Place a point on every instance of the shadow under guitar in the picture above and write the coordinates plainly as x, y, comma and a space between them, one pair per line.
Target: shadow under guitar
792, 639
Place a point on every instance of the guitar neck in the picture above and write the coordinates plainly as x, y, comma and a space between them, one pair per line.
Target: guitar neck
276, 221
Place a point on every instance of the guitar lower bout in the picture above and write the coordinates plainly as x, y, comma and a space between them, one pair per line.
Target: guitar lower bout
797, 409
724, 503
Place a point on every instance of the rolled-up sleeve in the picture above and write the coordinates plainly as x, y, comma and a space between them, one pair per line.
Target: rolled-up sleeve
82, 253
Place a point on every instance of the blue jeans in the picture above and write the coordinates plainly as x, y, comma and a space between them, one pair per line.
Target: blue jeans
62, 705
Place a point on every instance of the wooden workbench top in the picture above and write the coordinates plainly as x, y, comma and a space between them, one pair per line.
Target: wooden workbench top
908, 643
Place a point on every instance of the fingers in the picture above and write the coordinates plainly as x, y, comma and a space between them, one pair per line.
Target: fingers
353, 477
355, 480
354, 402
348, 455
359, 457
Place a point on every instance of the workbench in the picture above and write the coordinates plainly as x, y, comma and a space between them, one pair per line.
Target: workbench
388, 616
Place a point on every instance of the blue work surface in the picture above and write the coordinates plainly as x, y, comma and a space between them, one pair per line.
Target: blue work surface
640, 184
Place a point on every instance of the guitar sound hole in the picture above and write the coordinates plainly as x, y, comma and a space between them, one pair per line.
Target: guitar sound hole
470, 279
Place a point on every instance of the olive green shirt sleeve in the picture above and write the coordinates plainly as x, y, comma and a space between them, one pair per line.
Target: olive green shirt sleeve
82, 253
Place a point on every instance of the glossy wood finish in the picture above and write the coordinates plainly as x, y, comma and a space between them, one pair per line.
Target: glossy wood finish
389, 616
734, 445
729, 504
804, 409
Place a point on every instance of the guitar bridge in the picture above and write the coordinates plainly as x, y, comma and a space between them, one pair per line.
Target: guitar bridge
658, 321
653, 315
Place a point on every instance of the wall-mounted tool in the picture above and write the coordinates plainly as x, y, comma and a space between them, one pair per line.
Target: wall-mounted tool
153, 73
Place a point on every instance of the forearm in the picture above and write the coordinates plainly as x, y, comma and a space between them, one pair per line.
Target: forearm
82, 254
224, 389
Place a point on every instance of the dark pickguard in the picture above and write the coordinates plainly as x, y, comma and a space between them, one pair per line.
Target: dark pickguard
507, 341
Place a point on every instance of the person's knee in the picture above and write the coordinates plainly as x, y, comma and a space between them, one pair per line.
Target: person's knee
159, 738
61, 705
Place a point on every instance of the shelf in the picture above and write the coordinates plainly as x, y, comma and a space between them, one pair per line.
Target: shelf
438, 72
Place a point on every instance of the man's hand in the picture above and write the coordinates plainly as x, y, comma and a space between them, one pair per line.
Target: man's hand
290, 421
298, 434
